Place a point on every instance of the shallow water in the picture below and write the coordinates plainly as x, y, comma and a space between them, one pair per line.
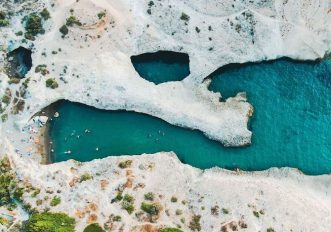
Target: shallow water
291, 123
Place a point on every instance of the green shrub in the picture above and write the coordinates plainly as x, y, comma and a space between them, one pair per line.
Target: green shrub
149, 196
184, 17
3, 19
225, 211
50, 222
256, 214
127, 203
173, 199
270, 229
128, 207
34, 25
4, 117
85, 177
4, 22
3, 15
45, 14
179, 212
152, 209
51, 83
118, 197
195, 223
55, 201
94, 228
64, 30
6, 182
72, 20
18, 193
6, 99
101, 14
125, 164
169, 229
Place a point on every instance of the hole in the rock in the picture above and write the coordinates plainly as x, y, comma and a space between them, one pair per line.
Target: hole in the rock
19, 62
162, 66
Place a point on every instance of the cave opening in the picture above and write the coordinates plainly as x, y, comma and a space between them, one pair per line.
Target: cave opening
19, 62
162, 66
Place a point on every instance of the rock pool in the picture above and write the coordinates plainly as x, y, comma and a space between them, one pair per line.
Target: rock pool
291, 123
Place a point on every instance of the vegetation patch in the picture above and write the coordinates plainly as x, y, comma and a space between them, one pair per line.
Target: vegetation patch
3, 19
50, 222
169, 229
55, 201
33, 26
185, 17
101, 14
149, 196
125, 164
152, 209
195, 223
51, 83
64, 30
85, 177
128, 203
94, 228
45, 14
72, 20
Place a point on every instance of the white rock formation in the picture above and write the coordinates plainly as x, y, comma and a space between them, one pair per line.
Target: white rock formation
284, 198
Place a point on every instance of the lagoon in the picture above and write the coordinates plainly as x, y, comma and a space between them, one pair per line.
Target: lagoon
291, 124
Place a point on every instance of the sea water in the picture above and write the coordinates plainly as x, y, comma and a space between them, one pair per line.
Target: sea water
291, 124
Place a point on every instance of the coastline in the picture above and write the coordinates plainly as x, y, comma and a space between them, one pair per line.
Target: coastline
44, 147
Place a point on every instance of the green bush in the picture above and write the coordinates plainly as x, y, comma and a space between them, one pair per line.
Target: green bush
152, 209
225, 211
6, 182
45, 14
195, 223
34, 25
169, 229
127, 203
51, 83
149, 196
55, 201
72, 20
125, 164
129, 207
118, 197
3, 19
64, 30
4, 22
94, 228
49, 222
184, 17
256, 214
18, 193
270, 229
173, 199
85, 177
101, 14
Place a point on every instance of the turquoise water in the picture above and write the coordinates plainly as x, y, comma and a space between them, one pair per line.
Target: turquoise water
162, 66
291, 123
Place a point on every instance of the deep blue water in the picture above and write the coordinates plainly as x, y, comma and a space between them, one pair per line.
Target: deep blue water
22, 61
162, 66
291, 123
